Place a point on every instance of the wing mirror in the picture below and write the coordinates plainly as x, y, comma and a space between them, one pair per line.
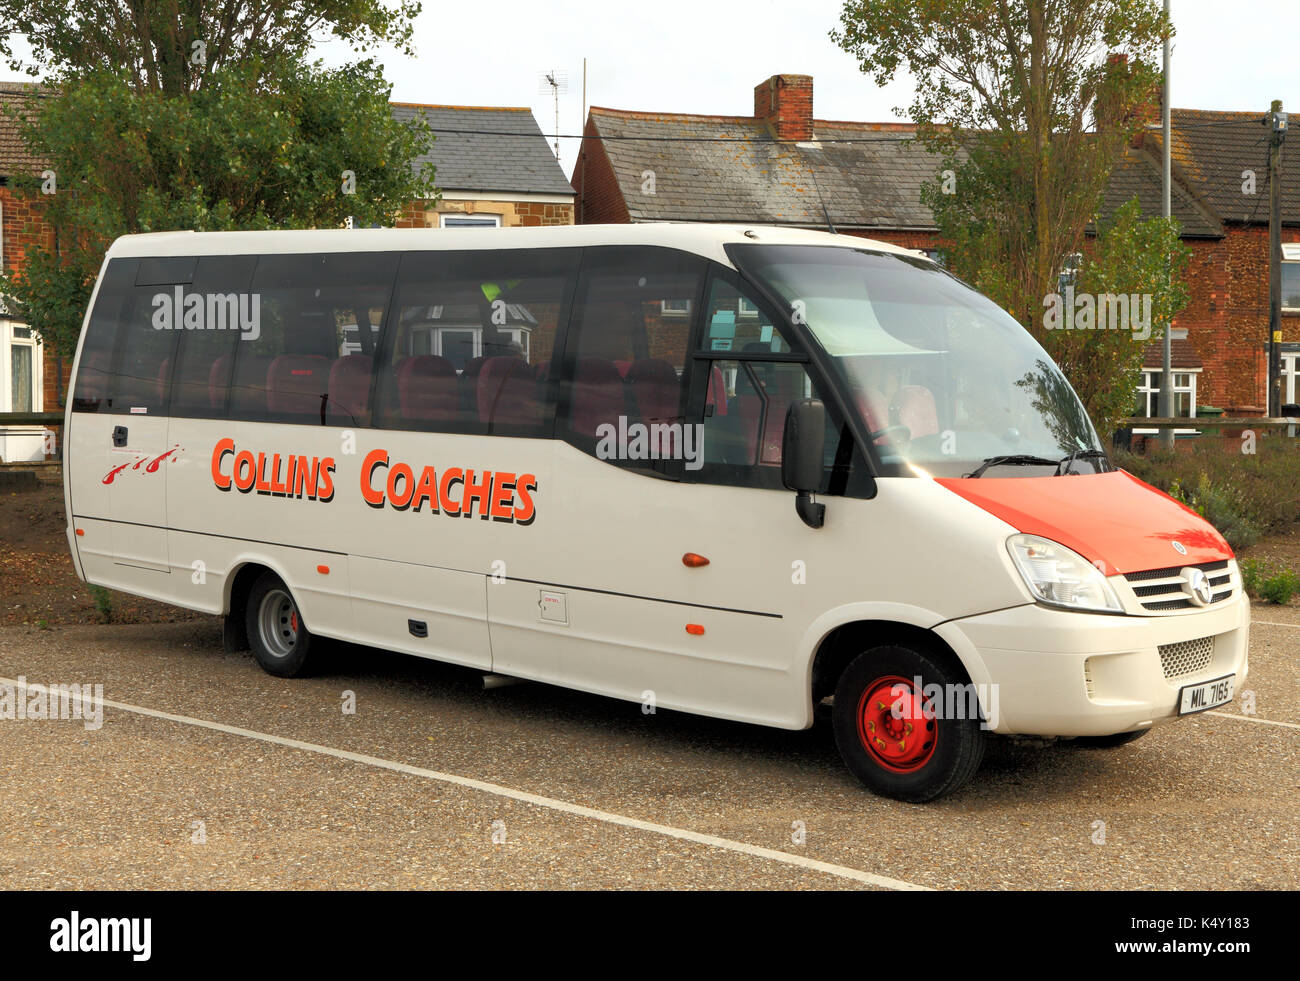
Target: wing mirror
802, 455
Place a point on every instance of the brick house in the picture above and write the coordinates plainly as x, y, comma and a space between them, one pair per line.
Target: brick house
494, 168
484, 180
781, 166
31, 379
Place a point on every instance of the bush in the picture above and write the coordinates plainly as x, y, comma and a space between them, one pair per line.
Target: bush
103, 602
1280, 587
1251, 573
1245, 496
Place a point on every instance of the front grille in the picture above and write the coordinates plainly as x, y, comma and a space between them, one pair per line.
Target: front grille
1162, 589
1186, 657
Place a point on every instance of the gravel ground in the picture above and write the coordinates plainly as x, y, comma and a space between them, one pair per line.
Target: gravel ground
1212, 802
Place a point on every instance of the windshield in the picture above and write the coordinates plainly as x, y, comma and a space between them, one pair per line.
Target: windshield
945, 379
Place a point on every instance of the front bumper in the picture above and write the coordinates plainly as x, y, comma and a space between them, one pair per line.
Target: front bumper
1060, 673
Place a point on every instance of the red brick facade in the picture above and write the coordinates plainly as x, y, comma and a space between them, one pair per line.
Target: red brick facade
599, 201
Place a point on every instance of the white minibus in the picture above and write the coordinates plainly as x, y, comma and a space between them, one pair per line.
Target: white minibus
737, 471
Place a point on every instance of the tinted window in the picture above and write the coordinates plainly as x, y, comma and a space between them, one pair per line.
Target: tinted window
753, 376
130, 343
309, 355
623, 393
205, 358
472, 341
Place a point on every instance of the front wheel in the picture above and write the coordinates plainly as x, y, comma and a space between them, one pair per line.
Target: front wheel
280, 639
907, 725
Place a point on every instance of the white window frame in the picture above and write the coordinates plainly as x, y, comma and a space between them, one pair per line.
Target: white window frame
8, 341
675, 308
1149, 388
477, 219
745, 309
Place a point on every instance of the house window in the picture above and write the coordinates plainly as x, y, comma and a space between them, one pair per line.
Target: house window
1184, 396
21, 368
745, 310
471, 221
1291, 286
676, 308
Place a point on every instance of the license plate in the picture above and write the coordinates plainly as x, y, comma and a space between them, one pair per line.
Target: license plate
1207, 695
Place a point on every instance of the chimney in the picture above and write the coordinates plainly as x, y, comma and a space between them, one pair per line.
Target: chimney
1139, 116
785, 102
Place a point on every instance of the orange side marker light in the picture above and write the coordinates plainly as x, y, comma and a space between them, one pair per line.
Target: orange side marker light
81, 531
695, 629
324, 570
693, 561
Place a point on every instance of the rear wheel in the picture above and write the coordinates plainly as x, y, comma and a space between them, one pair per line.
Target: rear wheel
895, 736
277, 634
1110, 742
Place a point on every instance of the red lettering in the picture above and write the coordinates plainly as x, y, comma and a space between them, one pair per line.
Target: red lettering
481, 492
245, 471
373, 461
503, 496
427, 490
262, 486
449, 478
527, 511
223, 449
400, 499
325, 488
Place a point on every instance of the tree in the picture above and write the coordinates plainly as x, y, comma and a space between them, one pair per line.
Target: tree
304, 147
168, 46
1030, 102
1130, 258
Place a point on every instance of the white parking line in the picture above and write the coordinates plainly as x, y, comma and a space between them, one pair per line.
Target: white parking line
1275, 623
1251, 718
713, 841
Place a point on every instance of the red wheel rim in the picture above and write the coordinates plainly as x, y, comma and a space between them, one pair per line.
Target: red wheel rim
896, 724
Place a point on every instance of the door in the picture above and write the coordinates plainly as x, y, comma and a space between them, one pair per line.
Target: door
667, 455
120, 430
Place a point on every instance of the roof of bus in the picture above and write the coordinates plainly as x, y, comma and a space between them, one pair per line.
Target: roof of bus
703, 239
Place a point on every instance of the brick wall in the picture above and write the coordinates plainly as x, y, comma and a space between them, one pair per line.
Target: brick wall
23, 229
785, 102
513, 214
599, 200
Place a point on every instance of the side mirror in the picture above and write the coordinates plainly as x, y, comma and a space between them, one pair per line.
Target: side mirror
802, 454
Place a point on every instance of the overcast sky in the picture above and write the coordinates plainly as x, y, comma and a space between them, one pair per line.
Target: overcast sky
706, 56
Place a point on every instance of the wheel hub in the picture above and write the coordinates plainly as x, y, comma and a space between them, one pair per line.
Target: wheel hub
896, 724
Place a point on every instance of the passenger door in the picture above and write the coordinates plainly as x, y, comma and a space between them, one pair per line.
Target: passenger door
120, 428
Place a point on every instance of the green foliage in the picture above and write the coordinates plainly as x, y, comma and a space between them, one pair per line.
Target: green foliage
1252, 571
171, 47
1130, 257
241, 152
1024, 103
1280, 587
103, 603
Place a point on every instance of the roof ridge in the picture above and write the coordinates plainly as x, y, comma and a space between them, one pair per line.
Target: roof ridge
437, 105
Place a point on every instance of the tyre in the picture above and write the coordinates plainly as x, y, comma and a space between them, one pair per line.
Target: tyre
895, 738
277, 633
1110, 742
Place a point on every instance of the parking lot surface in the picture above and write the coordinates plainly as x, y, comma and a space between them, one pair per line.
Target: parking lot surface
208, 773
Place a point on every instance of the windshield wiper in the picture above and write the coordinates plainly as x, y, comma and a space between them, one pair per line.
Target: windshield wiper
1065, 463
1013, 461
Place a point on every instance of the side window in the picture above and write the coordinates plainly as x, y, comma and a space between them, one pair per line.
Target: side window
205, 359
472, 340
624, 387
99, 347
746, 377
309, 351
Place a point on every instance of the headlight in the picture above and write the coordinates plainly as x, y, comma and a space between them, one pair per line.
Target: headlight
1061, 577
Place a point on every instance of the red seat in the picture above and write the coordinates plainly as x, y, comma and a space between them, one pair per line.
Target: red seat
349, 391
428, 389
296, 385
596, 396
507, 393
655, 394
